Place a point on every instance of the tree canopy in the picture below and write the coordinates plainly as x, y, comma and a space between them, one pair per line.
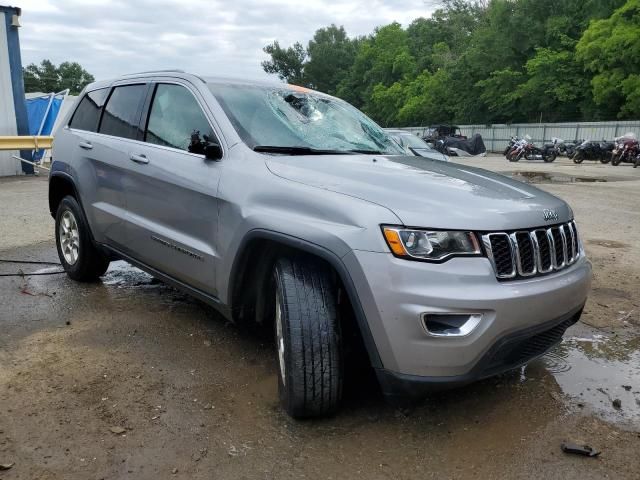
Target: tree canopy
48, 77
481, 61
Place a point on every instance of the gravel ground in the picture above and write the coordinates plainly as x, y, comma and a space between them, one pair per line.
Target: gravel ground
128, 378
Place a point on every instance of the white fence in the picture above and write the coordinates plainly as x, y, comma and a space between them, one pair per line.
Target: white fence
496, 136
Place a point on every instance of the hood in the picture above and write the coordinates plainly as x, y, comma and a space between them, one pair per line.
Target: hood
427, 193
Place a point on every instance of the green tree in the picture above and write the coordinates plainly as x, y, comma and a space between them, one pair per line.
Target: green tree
485, 61
47, 77
287, 63
610, 49
383, 58
330, 55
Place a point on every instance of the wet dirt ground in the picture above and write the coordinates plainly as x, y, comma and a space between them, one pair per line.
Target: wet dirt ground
128, 378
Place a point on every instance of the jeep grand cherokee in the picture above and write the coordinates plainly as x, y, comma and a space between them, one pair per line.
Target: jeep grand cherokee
288, 208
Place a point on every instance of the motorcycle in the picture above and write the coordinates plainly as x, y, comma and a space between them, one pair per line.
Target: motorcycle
625, 150
510, 146
516, 150
526, 149
592, 150
563, 148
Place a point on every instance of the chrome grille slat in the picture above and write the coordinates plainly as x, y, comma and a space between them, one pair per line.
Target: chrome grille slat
564, 246
574, 243
544, 251
527, 253
500, 244
524, 253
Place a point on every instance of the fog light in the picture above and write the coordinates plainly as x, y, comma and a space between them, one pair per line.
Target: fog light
450, 324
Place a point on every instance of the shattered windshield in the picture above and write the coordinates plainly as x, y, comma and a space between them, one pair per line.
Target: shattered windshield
292, 117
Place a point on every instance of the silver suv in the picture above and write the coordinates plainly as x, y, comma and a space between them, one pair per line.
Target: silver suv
289, 209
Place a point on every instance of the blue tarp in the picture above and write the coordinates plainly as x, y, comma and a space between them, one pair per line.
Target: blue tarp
36, 110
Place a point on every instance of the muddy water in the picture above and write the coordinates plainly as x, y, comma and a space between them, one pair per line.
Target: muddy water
597, 370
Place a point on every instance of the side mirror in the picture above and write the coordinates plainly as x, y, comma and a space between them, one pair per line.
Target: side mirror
212, 151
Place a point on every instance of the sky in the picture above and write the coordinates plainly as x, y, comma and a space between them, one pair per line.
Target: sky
212, 37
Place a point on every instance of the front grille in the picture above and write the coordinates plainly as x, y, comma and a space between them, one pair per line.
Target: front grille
526, 253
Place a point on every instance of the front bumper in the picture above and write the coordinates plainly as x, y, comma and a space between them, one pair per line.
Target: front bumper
509, 352
395, 293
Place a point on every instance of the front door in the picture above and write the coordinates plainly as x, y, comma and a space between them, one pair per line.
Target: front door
171, 200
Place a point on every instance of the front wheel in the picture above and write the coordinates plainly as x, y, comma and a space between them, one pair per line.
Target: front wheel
637, 162
616, 159
308, 337
78, 255
578, 157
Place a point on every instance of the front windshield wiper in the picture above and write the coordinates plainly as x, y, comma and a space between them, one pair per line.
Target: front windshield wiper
299, 150
370, 152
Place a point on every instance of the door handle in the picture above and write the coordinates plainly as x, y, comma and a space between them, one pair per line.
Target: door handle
85, 145
139, 158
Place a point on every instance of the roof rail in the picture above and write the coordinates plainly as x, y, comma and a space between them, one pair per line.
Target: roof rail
175, 70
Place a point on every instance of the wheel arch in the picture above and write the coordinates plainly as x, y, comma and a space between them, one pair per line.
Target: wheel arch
61, 185
251, 268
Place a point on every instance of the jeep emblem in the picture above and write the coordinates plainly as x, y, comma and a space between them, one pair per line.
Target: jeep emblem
549, 214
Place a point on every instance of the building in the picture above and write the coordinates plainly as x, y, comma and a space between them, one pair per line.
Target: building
13, 110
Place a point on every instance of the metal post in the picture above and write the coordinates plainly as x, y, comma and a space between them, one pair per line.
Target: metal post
30, 162
493, 138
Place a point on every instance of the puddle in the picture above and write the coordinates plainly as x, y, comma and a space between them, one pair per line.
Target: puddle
595, 371
547, 177
122, 274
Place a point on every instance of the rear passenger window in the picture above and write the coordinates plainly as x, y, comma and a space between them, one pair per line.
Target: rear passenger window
122, 112
176, 120
87, 114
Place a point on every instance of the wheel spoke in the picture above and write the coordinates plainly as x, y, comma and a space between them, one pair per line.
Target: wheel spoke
69, 237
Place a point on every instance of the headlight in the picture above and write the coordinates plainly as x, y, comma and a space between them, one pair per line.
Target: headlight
434, 245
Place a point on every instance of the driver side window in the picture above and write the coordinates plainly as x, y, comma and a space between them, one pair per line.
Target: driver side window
176, 120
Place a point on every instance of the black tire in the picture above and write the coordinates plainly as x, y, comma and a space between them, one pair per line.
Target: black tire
605, 158
616, 159
550, 157
310, 372
91, 263
578, 157
637, 162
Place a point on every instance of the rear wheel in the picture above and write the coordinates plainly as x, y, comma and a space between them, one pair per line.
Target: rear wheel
78, 255
550, 157
578, 157
308, 337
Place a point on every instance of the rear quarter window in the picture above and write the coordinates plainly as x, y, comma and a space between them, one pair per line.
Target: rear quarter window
87, 115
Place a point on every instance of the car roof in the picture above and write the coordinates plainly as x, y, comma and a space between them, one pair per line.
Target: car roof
221, 80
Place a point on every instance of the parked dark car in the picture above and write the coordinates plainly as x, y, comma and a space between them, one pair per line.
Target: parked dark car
440, 132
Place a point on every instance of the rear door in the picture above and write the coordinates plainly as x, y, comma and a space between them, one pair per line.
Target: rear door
118, 127
172, 199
